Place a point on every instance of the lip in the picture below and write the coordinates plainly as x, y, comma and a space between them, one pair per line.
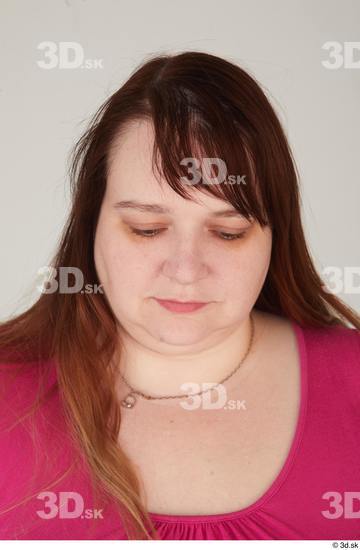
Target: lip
180, 307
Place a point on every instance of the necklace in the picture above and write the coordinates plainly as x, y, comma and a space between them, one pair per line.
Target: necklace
130, 399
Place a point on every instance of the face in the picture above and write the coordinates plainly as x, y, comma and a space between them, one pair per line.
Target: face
178, 250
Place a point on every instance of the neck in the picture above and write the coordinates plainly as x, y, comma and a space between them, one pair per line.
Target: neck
160, 374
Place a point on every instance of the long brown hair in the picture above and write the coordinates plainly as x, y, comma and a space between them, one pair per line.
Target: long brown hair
197, 103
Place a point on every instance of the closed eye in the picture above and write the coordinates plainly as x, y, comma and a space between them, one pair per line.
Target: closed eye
151, 233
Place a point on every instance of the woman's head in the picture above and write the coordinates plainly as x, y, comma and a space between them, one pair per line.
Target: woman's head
152, 243
173, 109
192, 105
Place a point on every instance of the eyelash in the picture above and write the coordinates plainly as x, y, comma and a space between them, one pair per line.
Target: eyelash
142, 233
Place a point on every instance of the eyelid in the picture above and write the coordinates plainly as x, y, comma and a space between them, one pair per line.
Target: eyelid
160, 226
215, 222
217, 230
157, 231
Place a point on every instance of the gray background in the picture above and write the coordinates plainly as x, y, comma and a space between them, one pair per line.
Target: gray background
43, 111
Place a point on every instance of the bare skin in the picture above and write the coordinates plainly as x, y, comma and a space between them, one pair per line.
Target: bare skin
213, 461
152, 244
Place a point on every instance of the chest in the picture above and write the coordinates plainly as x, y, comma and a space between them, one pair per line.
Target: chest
216, 461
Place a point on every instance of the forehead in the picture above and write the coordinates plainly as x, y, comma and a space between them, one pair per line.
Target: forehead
131, 151
131, 176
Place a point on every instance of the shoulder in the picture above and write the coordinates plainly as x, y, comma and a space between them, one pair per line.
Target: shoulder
334, 339
333, 362
33, 445
333, 349
22, 383
337, 341
28, 407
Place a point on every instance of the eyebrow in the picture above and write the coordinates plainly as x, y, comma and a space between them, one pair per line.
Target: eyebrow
159, 209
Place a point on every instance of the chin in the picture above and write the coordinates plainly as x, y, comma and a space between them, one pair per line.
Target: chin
178, 337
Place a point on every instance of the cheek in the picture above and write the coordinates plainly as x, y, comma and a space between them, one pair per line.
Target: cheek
243, 274
121, 267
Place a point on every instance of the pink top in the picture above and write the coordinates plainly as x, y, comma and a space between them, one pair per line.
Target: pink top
316, 494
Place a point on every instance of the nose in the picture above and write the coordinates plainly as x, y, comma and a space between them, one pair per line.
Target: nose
185, 261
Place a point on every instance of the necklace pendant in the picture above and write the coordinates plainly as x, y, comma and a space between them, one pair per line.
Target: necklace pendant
129, 401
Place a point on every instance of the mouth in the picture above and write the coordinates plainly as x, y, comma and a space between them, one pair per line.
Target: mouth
180, 307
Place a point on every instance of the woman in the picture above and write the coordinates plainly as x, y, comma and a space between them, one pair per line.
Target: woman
202, 389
